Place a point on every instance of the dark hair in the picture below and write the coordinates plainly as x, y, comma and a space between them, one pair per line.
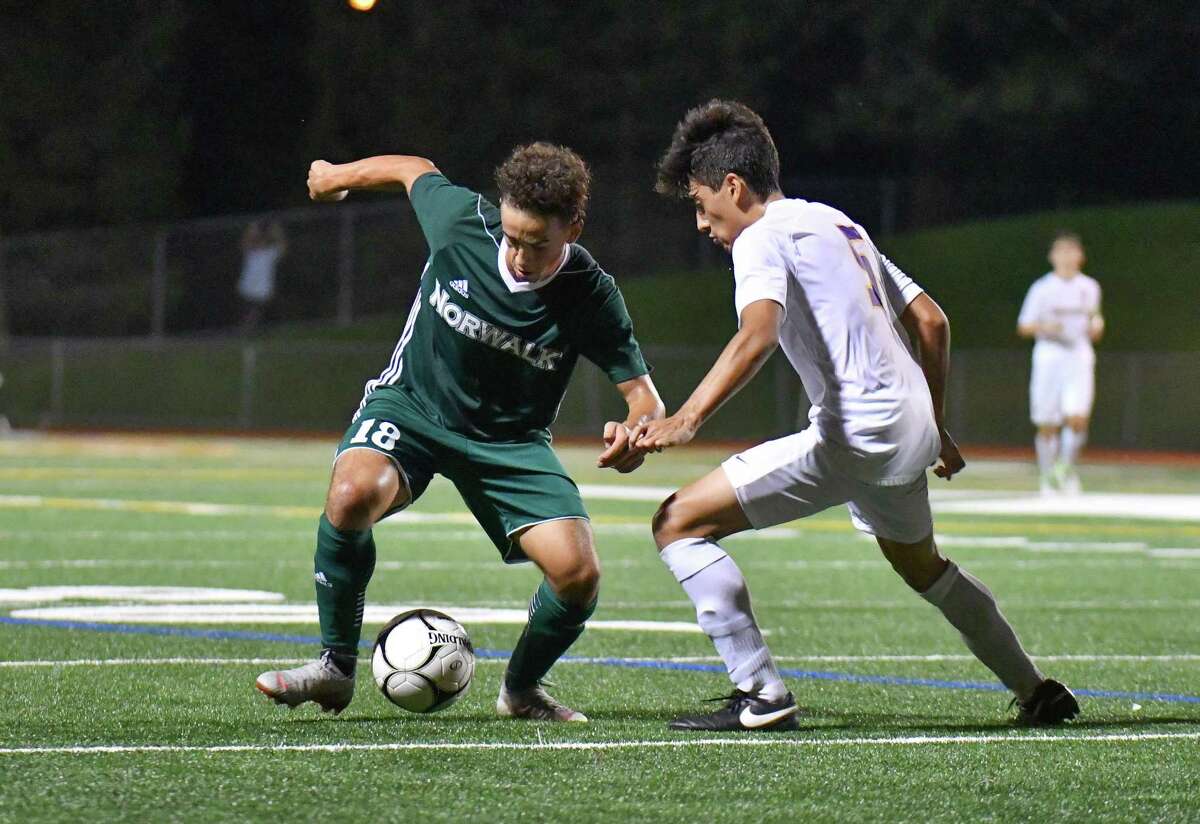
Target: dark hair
1068, 236
545, 179
714, 140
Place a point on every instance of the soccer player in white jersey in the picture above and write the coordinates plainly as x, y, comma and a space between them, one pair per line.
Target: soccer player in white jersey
809, 279
1061, 313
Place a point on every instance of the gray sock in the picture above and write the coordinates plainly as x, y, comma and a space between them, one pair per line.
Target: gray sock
970, 607
1047, 451
716, 586
1070, 445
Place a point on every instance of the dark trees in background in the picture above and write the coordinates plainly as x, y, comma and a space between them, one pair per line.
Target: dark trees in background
116, 112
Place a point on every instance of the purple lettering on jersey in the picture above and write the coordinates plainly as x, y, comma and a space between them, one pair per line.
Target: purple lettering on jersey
852, 235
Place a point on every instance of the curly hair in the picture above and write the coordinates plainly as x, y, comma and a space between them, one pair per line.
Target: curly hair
716, 139
547, 180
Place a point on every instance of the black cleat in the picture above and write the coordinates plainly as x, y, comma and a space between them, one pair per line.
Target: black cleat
743, 713
1051, 704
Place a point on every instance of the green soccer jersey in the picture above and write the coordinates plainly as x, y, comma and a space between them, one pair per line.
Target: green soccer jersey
488, 356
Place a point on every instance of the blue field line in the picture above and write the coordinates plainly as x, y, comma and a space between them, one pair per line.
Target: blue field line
185, 632
889, 680
627, 663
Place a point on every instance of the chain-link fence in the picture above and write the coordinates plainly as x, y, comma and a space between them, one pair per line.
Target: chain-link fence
319, 263
1143, 400
208, 275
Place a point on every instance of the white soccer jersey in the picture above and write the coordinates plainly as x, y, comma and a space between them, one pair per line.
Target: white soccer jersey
1070, 302
842, 335
1062, 383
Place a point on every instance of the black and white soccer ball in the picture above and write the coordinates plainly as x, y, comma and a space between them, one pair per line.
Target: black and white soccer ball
423, 660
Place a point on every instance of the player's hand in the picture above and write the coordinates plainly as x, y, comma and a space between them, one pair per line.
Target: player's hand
950, 460
1051, 329
321, 186
619, 453
655, 436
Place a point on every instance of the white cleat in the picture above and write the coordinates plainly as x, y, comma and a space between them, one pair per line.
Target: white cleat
535, 704
319, 681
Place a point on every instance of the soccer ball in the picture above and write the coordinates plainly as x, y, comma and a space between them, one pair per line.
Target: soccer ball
423, 660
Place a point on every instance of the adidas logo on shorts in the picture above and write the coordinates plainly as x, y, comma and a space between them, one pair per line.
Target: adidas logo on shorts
322, 580
459, 286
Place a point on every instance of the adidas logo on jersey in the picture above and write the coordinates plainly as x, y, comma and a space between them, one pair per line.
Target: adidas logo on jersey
459, 286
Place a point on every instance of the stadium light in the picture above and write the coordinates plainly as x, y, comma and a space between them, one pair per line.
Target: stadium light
361, 5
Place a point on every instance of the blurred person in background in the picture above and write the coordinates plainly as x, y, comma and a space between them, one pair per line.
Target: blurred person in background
263, 244
1061, 313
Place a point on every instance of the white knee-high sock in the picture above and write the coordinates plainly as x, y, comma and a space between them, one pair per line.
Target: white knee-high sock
1072, 443
970, 607
1046, 447
716, 586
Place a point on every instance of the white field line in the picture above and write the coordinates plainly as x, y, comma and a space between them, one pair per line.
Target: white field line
151, 662
42, 663
1170, 507
1009, 563
1175, 559
937, 657
243, 607
681, 743
165, 536
447, 519
1174, 552
1023, 543
298, 562
162, 536
918, 604
1091, 505
140, 594
257, 613
302, 614
626, 492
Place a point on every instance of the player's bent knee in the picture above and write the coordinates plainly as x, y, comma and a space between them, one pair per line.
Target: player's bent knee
919, 564
670, 522
351, 504
578, 582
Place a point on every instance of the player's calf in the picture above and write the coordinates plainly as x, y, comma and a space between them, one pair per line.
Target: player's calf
971, 608
686, 527
558, 612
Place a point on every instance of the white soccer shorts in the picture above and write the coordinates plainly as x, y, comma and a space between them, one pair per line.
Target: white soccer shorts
798, 475
1062, 385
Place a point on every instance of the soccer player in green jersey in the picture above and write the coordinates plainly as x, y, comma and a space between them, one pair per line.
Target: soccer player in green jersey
508, 301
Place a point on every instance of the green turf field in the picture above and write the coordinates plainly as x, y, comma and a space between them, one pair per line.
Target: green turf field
101, 724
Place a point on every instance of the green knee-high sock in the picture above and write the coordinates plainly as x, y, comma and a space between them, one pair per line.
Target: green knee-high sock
342, 567
553, 626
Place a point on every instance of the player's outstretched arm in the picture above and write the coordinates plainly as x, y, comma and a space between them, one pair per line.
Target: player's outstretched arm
928, 325
645, 405
740, 361
328, 182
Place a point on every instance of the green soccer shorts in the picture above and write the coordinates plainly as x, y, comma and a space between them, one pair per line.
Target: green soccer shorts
507, 486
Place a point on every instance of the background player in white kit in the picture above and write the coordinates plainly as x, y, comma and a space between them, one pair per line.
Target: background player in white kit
809, 279
1062, 313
